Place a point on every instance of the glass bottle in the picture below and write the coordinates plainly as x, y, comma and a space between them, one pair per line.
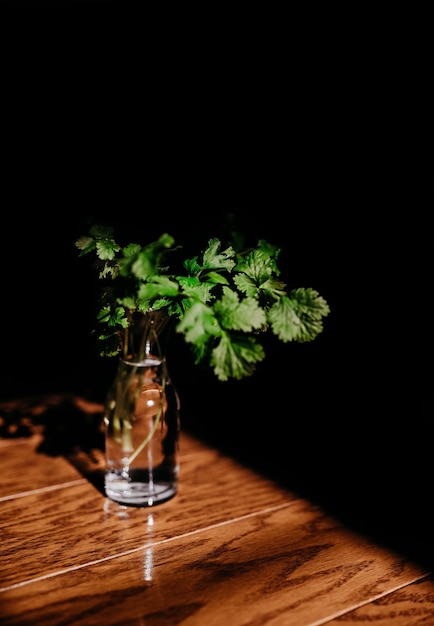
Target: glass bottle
142, 417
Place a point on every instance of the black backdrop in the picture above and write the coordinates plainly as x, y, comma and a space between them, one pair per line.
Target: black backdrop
345, 419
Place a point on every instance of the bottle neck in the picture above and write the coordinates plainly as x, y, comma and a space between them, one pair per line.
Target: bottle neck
145, 338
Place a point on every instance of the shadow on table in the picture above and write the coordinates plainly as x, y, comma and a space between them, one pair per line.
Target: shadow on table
354, 437
70, 426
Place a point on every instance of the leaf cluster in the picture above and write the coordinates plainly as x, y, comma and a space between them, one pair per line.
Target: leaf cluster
222, 300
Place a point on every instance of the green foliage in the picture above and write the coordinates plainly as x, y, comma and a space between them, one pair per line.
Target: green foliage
223, 301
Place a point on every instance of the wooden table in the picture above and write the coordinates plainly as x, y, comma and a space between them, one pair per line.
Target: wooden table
232, 548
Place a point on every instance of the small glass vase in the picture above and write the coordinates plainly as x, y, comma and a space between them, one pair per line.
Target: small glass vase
142, 417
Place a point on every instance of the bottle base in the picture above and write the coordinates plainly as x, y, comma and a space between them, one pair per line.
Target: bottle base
140, 494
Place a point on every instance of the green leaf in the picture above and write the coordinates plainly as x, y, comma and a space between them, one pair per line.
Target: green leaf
259, 264
127, 303
214, 259
144, 265
109, 344
131, 251
236, 357
106, 249
215, 278
85, 244
192, 266
191, 287
246, 285
298, 317
113, 317
199, 327
257, 274
160, 286
244, 315
144, 262
110, 269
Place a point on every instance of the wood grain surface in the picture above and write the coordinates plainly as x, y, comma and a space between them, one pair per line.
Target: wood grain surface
232, 548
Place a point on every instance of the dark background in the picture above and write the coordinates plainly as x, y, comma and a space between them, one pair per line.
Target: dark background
311, 154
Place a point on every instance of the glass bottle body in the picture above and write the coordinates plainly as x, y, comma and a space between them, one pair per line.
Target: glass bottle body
142, 429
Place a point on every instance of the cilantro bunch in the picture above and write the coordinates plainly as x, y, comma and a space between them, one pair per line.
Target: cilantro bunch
222, 300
